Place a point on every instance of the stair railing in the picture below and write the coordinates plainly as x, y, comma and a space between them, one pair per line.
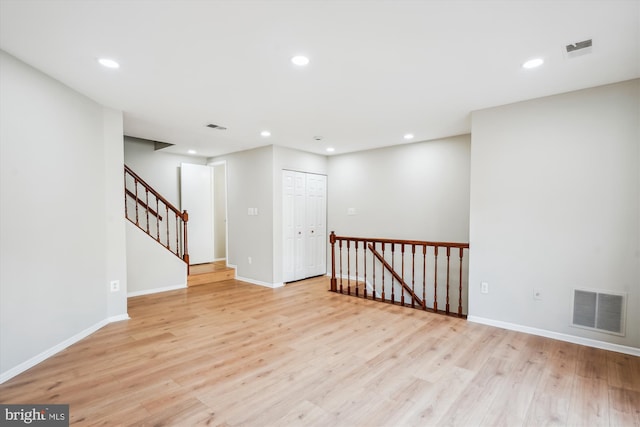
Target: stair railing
155, 215
413, 273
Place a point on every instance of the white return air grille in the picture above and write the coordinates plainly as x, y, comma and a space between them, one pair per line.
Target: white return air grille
599, 311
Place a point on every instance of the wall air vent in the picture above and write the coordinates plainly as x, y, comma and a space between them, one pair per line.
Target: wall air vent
599, 311
218, 127
579, 48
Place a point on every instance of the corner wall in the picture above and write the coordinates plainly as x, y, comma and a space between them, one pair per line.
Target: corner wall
250, 185
58, 164
555, 204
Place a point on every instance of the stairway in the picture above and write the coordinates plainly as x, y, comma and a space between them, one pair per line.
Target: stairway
203, 274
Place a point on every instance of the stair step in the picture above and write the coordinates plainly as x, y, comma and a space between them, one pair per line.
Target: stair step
209, 273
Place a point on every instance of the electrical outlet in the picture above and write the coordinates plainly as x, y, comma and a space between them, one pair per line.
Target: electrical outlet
114, 285
484, 287
249, 260
537, 293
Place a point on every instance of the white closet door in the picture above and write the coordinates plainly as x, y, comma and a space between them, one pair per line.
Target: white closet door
304, 225
196, 197
316, 227
288, 226
300, 226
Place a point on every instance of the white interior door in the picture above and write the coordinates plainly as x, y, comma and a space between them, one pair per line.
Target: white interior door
196, 197
288, 227
304, 225
316, 227
299, 225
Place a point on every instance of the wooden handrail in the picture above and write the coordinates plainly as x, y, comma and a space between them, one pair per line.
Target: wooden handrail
181, 218
154, 192
412, 281
406, 242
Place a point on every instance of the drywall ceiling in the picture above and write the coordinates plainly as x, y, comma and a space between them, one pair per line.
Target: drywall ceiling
378, 69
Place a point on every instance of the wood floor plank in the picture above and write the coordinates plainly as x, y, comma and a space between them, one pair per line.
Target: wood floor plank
490, 378
589, 402
440, 398
231, 354
511, 405
624, 407
550, 404
305, 413
623, 371
592, 363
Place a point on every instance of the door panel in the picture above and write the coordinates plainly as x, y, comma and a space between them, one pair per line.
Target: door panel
196, 197
288, 227
315, 223
300, 226
304, 225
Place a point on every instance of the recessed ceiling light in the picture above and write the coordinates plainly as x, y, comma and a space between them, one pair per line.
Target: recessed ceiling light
192, 152
408, 136
109, 63
533, 63
331, 149
265, 133
300, 60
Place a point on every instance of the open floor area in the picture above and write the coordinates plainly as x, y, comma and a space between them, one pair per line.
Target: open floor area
232, 353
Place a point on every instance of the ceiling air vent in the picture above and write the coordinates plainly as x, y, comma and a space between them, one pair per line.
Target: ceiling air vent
578, 49
218, 127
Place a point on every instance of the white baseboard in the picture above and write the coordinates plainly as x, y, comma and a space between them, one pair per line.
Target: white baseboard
7, 375
260, 283
219, 259
557, 335
118, 318
155, 290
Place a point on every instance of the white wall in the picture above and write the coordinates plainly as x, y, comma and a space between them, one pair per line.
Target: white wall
220, 211
58, 156
159, 169
414, 191
555, 201
250, 185
150, 266
116, 262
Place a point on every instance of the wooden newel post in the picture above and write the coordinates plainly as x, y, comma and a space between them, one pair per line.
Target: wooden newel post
185, 255
334, 283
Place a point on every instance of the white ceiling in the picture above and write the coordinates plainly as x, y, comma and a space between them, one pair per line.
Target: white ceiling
379, 69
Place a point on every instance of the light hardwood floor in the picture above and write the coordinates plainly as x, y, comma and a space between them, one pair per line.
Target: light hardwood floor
231, 353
